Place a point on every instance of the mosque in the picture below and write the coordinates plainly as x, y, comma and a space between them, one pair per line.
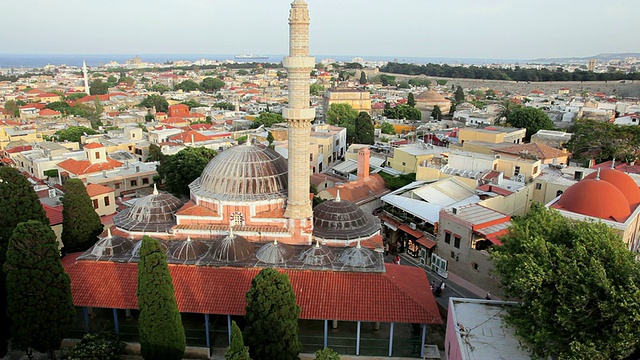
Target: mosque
607, 195
251, 209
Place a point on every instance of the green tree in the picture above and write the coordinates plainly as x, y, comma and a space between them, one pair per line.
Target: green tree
158, 101
602, 141
159, 88
189, 85
272, 317
411, 100
577, 283
342, 115
191, 103
127, 80
326, 354
155, 153
75, 96
530, 118
505, 108
267, 119
73, 133
402, 112
364, 130
38, 290
60, 106
436, 113
80, 223
96, 346
178, 171
236, 350
12, 108
224, 105
387, 128
316, 89
212, 84
363, 78
17, 194
98, 87
160, 326
458, 96
270, 138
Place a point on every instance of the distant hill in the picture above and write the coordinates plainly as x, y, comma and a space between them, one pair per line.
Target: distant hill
600, 57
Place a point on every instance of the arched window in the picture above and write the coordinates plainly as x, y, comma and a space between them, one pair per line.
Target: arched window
236, 219
559, 192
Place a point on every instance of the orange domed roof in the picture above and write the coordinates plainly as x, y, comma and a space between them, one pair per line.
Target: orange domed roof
596, 198
622, 181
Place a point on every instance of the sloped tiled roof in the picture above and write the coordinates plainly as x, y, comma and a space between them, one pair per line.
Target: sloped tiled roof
81, 167
96, 189
188, 137
54, 213
49, 112
360, 190
399, 295
192, 209
542, 151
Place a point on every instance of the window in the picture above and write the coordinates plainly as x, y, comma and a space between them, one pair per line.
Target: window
134, 183
236, 219
311, 157
453, 255
456, 242
538, 186
95, 203
106, 201
474, 266
404, 163
145, 181
516, 172
117, 186
97, 155
558, 193
535, 169
337, 142
447, 237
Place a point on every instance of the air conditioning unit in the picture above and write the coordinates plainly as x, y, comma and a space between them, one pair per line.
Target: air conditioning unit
412, 226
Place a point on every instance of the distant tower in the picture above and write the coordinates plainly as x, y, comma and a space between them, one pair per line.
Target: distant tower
591, 66
298, 114
86, 77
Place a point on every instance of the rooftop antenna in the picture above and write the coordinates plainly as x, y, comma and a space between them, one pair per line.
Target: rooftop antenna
598, 174
613, 163
155, 189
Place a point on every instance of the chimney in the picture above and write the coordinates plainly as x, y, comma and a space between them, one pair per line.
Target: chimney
363, 163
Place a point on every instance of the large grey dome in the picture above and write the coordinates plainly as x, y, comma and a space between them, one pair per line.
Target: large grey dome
243, 173
342, 220
152, 213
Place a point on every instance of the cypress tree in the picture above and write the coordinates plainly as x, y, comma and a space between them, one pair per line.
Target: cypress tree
19, 203
160, 326
363, 78
436, 113
272, 317
236, 350
364, 130
80, 223
38, 290
411, 100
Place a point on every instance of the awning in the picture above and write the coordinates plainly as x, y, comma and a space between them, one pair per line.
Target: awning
494, 239
390, 226
415, 233
424, 241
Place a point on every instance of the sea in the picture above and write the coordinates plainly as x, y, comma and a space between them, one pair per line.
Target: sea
42, 60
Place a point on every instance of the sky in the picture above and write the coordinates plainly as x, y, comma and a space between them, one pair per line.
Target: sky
486, 29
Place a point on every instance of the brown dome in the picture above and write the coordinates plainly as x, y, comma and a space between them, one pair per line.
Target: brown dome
243, 173
430, 96
622, 181
342, 220
596, 198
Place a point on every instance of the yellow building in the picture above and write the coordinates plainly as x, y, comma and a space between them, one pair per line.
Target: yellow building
407, 158
102, 199
491, 134
358, 99
10, 132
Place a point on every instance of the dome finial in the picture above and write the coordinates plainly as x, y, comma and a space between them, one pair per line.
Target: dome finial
338, 196
189, 238
358, 246
598, 174
317, 243
613, 163
108, 233
231, 236
155, 189
275, 241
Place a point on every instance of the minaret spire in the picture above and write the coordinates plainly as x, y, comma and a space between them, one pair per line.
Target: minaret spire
298, 114
85, 74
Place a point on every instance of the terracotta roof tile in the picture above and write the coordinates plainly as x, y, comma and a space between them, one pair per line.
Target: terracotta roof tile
401, 294
192, 209
54, 213
542, 151
81, 167
96, 189
94, 145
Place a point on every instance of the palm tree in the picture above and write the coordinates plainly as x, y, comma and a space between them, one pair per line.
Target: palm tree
506, 108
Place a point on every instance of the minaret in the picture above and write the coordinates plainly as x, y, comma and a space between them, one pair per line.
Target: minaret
86, 77
298, 114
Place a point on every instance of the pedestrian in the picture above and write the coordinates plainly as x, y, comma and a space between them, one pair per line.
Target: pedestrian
432, 285
386, 249
397, 259
443, 286
488, 296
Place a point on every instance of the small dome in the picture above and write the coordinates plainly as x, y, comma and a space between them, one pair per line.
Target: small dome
358, 256
188, 250
110, 246
429, 95
231, 248
342, 220
596, 198
622, 181
317, 255
152, 213
274, 253
243, 173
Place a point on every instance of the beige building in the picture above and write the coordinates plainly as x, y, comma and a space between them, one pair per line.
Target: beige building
407, 158
427, 100
359, 99
491, 134
102, 199
555, 180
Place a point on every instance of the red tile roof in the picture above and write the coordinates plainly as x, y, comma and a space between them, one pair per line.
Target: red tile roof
399, 295
49, 112
542, 151
188, 137
54, 213
92, 146
192, 209
97, 189
81, 167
